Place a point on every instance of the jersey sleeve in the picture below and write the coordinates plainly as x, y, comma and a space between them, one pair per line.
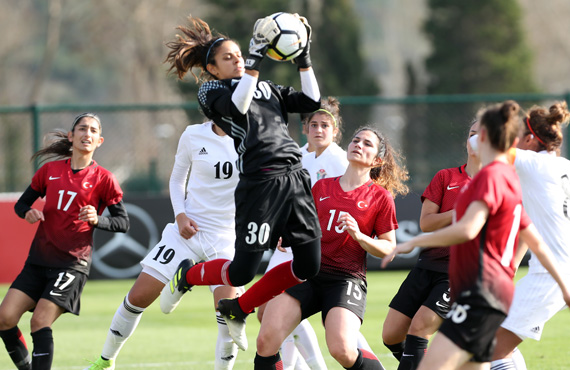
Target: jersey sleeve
215, 98
182, 164
114, 193
39, 180
386, 218
434, 190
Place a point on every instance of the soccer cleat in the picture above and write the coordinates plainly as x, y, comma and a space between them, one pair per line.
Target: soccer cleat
235, 320
173, 291
101, 364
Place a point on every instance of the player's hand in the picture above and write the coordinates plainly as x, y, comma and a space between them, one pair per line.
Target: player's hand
347, 223
34, 215
402, 248
265, 30
304, 60
186, 226
280, 246
89, 215
257, 51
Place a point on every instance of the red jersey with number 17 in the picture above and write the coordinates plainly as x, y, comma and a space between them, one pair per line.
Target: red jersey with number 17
370, 205
62, 240
482, 270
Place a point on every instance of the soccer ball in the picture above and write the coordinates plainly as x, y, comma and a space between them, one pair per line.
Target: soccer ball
293, 38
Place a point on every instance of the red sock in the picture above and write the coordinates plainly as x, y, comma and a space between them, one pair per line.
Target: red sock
214, 272
273, 283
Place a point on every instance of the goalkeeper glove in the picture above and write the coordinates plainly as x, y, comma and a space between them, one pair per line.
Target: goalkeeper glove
304, 59
264, 32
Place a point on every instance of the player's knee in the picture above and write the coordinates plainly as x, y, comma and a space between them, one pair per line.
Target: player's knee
241, 277
267, 343
343, 354
7, 322
307, 259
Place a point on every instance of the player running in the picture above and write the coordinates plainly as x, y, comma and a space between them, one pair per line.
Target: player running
273, 196
204, 230
546, 190
353, 209
487, 222
77, 190
422, 302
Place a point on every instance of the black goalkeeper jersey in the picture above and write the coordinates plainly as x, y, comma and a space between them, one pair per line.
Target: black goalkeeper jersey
261, 137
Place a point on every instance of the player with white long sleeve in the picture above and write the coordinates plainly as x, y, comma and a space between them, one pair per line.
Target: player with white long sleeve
204, 230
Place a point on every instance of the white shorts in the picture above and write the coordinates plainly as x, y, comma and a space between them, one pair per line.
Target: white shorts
537, 298
161, 262
279, 257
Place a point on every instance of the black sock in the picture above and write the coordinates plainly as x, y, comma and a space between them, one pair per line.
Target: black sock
268, 363
366, 361
413, 353
396, 349
16, 347
42, 356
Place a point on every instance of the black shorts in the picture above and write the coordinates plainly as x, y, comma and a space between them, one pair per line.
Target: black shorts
276, 205
62, 286
322, 293
473, 329
423, 288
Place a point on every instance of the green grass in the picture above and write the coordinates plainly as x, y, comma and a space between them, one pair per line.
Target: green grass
185, 339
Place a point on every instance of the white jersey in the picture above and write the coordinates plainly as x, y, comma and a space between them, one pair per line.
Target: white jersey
209, 196
305, 149
331, 163
545, 180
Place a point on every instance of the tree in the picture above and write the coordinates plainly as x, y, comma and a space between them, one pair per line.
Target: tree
478, 47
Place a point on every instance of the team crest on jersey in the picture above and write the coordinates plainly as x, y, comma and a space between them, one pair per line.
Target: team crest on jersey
87, 185
321, 174
362, 204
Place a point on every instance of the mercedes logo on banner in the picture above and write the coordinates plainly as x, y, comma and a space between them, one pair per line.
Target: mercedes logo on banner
117, 255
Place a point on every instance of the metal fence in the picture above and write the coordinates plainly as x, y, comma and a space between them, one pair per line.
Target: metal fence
141, 140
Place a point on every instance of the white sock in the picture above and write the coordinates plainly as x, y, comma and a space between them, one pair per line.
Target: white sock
289, 353
518, 359
226, 349
301, 364
515, 362
362, 343
503, 364
308, 345
123, 325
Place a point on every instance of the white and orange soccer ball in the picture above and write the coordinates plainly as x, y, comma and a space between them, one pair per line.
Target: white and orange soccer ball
292, 39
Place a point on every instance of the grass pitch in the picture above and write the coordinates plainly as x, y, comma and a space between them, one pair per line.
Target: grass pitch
185, 339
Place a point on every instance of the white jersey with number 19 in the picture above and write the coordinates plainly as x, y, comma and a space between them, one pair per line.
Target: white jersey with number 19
211, 160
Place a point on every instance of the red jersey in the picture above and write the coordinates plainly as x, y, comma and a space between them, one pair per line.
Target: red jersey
62, 240
483, 268
370, 205
443, 191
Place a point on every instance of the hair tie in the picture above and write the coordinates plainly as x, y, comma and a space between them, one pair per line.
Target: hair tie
327, 112
533, 133
210, 49
82, 115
